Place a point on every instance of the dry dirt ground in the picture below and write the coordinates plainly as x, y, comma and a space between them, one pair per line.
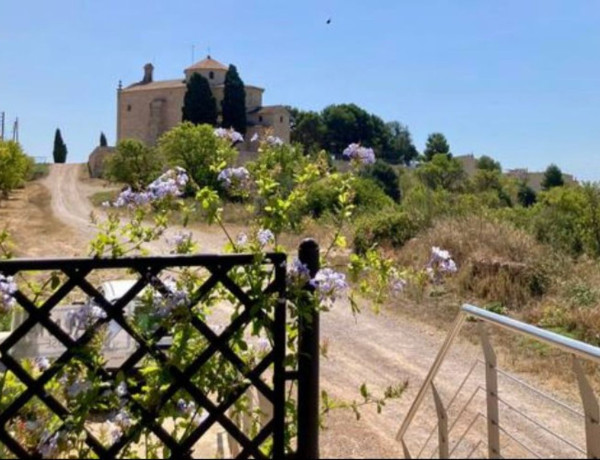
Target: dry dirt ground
382, 350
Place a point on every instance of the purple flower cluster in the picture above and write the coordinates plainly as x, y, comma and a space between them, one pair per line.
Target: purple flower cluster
169, 184
362, 155
84, 317
242, 239
234, 177
180, 239
298, 274
230, 134
397, 284
440, 263
118, 424
165, 304
42, 363
49, 447
274, 141
265, 236
329, 284
188, 410
7, 289
254, 138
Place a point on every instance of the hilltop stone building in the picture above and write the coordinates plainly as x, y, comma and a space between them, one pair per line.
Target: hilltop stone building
148, 108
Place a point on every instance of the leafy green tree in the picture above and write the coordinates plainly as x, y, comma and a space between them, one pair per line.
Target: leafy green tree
196, 149
386, 177
401, 148
15, 166
488, 164
103, 142
234, 101
348, 123
308, 129
134, 164
436, 144
60, 148
553, 177
526, 195
442, 172
199, 104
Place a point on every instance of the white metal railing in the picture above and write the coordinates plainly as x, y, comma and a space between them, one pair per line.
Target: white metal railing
577, 349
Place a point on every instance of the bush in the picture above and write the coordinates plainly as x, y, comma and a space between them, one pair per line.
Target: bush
134, 164
386, 177
15, 166
198, 151
388, 228
369, 197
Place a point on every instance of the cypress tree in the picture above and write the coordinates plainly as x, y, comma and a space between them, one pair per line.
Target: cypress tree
103, 142
199, 105
60, 149
234, 101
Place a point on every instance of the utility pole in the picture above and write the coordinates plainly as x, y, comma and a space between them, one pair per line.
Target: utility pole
2, 115
15, 136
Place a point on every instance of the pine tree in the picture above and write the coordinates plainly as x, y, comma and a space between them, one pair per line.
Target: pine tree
234, 101
553, 177
60, 149
103, 142
436, 144
199, 105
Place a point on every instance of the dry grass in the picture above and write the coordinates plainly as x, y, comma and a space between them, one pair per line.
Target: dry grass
505, 268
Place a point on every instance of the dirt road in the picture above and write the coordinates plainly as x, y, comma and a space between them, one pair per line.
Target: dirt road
382, 350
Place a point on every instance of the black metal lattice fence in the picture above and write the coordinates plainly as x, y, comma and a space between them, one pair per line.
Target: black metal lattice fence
268, 375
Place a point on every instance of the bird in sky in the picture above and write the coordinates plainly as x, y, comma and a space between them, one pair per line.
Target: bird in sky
328, 21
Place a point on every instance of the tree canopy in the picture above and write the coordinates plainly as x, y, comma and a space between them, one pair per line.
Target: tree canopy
199, 104
401, 148
436, 144
60, 148
234, 101
134, 164
553, 177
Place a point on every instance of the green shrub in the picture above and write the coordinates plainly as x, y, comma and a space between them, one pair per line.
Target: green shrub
369, 197
387, 228
15, 166
386, 177
198, 151
134, 164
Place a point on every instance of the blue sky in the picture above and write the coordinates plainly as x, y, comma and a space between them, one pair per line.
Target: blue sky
516, 80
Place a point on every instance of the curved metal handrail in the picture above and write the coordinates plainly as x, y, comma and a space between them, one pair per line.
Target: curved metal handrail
574, 347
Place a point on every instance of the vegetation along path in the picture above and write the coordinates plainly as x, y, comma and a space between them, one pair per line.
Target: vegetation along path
381, 349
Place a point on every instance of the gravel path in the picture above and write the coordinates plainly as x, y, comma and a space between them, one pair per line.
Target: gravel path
382, 350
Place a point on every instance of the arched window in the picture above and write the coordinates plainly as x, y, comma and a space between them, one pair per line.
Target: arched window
129, 107
211, 75
260, 118
280, 119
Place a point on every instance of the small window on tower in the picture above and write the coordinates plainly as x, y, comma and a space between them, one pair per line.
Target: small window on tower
129, 107
260, 118
280, 119
211, 75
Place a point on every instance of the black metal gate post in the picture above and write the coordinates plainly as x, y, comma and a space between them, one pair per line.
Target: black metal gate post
308, 365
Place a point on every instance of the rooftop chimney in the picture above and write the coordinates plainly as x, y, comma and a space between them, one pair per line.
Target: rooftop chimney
148, 69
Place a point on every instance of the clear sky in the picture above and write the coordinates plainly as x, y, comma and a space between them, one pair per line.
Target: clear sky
518, 80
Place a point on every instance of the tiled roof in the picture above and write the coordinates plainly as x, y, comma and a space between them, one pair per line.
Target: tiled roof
208, 63
163, 84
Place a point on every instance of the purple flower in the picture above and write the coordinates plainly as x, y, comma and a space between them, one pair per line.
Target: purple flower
121, 390
7, 289
76, 388
230, 134
274, 141
85, 316
254, 138
169, 184
362, 155
174, 298
329, 284
298, 274
122, 419
42, 363
180, 239
242, 239
48, 446
234, 177
265, 236
439, 263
